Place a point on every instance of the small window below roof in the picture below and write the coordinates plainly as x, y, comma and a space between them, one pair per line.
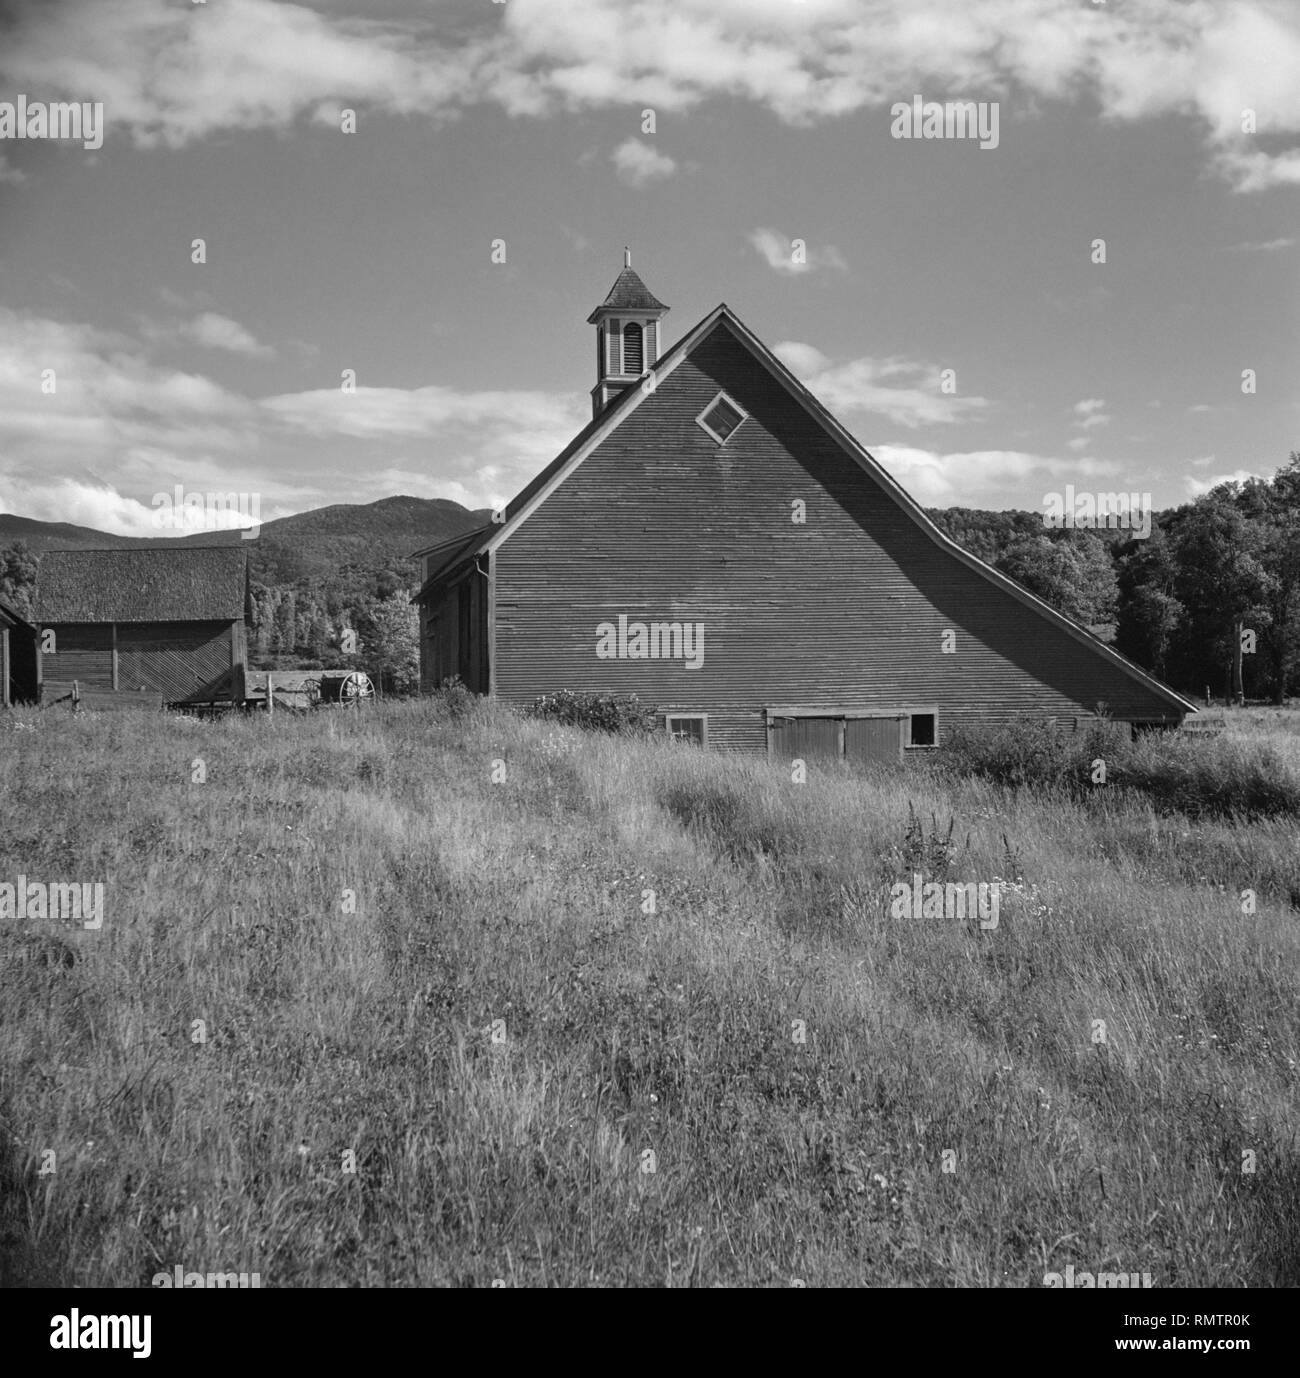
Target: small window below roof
688, 727
921, 729
721, 418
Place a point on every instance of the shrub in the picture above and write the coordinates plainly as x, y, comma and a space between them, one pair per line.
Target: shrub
453, 698
623, 714
1199, 777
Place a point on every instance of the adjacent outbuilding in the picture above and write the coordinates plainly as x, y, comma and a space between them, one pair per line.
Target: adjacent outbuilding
143, 627
19, 662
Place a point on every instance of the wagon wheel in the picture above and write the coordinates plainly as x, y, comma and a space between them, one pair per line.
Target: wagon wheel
355, 690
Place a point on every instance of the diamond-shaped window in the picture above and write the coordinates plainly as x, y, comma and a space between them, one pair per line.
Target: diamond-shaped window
721, 418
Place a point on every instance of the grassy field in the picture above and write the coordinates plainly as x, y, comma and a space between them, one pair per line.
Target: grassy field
482, 998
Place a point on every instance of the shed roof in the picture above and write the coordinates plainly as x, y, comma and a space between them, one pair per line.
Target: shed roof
189, 584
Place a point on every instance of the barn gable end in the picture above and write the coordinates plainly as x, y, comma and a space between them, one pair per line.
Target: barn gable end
722, 497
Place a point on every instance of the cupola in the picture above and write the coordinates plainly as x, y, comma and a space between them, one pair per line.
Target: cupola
627, 335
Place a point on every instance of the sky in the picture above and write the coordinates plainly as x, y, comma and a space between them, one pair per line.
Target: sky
357, 172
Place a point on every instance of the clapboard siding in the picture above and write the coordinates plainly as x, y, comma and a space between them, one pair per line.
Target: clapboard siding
174, 660
848, 608
81, 652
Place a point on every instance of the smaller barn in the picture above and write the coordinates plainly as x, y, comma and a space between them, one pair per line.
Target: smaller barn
19, 663
143, 627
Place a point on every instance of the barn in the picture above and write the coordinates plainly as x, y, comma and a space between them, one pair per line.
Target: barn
19, 663
715, 542
143, 627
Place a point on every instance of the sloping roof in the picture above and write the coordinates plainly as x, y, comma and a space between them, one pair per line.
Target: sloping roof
190, 584
448, 552
628, 293
540, 488
10, 618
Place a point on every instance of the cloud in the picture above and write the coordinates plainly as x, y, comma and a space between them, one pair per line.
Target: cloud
1091, 412
1196, 487
173, 73
1267, 246
793, 256
220, 332
9, 173
902, 391
637, 164
983, 478
119, 428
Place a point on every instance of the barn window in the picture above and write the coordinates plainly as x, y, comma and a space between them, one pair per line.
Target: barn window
688, 727
921, 729
721, 418
633, 348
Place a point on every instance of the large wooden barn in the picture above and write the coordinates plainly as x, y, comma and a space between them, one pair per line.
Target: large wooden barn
143, 626
715, 542
19, 662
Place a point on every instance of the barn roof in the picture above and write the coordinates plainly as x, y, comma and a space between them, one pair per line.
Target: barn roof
189, 584
628, 293
540, 488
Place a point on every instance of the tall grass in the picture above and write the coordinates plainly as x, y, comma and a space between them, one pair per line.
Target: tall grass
594, 1011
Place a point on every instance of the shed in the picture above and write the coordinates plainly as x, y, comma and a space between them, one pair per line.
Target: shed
143, 626
19, 662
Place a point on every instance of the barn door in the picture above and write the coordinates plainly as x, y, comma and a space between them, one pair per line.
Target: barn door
853, 739
873, 739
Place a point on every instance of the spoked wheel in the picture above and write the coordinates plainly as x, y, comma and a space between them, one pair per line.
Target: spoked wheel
356, 690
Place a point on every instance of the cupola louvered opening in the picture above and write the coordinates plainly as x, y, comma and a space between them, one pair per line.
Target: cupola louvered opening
721, 418
633, 348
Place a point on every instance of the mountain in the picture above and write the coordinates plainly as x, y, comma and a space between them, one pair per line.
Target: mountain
310, 545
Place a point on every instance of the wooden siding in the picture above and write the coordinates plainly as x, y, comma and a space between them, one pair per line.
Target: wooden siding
651, 343
453, 636
83, 651
849, 608
173, 661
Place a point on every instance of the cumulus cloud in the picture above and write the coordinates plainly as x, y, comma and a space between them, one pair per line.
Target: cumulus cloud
170, 73
903, 391
794, 256
1091, 412
1197, 487
638, 164
118, 428
220, 332
982, 477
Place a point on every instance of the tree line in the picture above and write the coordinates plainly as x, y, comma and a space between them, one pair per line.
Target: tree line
1210, 601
